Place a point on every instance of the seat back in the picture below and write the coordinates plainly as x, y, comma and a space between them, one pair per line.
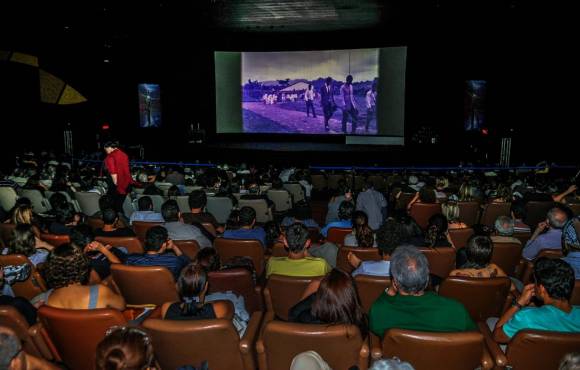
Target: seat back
575, 207
507, 256
131, 243
370, 288
469, 212
179, 343
318, 182
39, 203
540, 350
279, 250
183, 203
8, 198
6, 232
336, 234
523, 237
492, 211
283, 292
575, 300
164, 187
228, 248
422, 212
241, 282
333, 180
403, 201
140, 228
76, 333
536, 212
30, 287
435, 351
95, 223
263, 212
441, 260
157, 200
297, 192
281, 199
220, 208
210, 228
188, 247
88, 201
144, 284
55, 240
341, 346
482, 297
460, 236
365, 254
10, 317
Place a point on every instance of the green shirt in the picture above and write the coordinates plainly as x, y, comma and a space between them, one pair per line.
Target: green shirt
429, 312
307, 266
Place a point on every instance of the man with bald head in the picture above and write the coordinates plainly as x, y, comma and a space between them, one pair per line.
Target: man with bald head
12, 356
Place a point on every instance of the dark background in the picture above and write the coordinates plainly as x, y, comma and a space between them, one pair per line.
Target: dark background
104, 49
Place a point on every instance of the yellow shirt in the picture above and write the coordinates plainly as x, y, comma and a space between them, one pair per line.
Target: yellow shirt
308, 266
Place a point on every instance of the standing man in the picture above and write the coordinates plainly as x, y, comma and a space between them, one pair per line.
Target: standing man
309, 98
327, 101
371, 99
349, 108
117, 165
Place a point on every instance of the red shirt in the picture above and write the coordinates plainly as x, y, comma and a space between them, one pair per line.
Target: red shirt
117, 163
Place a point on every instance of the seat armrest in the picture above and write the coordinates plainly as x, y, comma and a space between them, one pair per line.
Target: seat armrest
259, 298
492, 346
486, 360
376, 346
248, 340
363, 360
35, 332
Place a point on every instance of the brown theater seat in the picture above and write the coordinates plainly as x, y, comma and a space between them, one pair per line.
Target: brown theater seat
341, 346
210, 228
365, 254
6, 232
279, 250
228, 248
188, 247
528, 266
469, 212
507, 256
141, 285
460, 236
441, 260
76, 333
537, 212
434, 351
422, 212
370, 288
131, 243
179, 343
482, 297
140, 228
523, 237
575, 300
492, 211
30, 287
240, 282
336, 235
95, 223
31, 336
283, 292
55, 240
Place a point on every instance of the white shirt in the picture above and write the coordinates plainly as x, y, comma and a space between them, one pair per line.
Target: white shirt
309, 95
371, 99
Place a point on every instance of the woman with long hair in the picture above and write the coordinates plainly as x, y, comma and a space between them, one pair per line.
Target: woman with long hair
125, 348
362, 235
451, 211
437, 234
23, 241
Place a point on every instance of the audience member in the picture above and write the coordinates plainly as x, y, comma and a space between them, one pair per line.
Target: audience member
389, 237
373, 204
451, 211
178, 230
145, 212
342, 194
100, 256
247, 227
548, 234
111, 228
362, 235
197, 203
571, 245
437, 232
13, 357
518, 212
504, 231
23, 241
302, 214
125, 348
345, 211
22, 305
570, 362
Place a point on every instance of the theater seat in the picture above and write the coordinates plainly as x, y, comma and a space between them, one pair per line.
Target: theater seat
422, 212
460, 236
179, 343
131, 243
55, 240
141, 285
297, 192
6, 232
536, 212
370, 288
95, 223
341, 346
239, 281
220, 208
32, 339
434, 351
228, 248
88, 202
281, 199
336, 235
365, 254
76, 333
507, 256
33, 285
140, 228
279, 250
283, 292
469, 212
492, 211
263, 212
482, 297
441, 260
188, 247
575, 300
528, 266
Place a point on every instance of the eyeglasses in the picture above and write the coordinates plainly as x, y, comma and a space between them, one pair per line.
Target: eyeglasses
129, 329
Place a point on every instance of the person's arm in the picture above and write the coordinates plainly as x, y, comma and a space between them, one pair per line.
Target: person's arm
560, 197
415, 199
170, 245
353, 260
533, 246
311, 288
221, 309
499, 334
104, 250
42, 244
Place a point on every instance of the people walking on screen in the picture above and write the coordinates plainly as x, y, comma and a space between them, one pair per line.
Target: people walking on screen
309, 98
371, 99
349, 108
327, 101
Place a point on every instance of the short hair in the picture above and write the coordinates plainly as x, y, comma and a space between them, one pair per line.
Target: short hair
409, 269
272, 229
66, 264
145, 203
197, 199
436, 229
427, 194
478, 250
345, 210
111, 144
57, 200
302, 213
208, 258
349, 78
125, 348
391, 364
553, 218
23, 240
389, 237
328, 80
170, 211
571, 361
10, 347
105, 201
64, 213
154, 238
296, 237
504, 226
109, 216
556, 276
82, 235
247, 216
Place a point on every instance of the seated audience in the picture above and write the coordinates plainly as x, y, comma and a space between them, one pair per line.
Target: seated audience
23, 215
67, 274
504, 231
389, 237
411, 233
437, 232
406, 305
65, 220
178, 230
23, 241
298, 262
518, 211
345, 211
302, 214
451, 211
100, 256
125, 348
157, 248
425, 195
553, 288
548, 234
274, 234
226, 191
332, 300
22, 305
373, 204
343, 193
146, 212
254, 192
13, 356
571, 245
362, 235
152, 189
197, 202
246, 227
111, 228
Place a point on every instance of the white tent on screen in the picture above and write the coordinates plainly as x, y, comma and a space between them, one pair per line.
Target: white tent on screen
294, 91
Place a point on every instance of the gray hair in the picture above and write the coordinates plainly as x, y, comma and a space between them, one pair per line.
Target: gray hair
504, 226
409, 269
570, 362
391, 364
553, 219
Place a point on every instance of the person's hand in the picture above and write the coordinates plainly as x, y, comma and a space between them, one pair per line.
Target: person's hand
528, 293
95, 246
542, 226
572, 189
392, 290
353, 260
169, 245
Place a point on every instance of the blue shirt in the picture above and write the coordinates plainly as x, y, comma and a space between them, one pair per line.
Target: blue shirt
170, 261
287, 221
374, 268
552, 239
573, 259
547, 318
339, 224
146, 216
373, 204
256, 233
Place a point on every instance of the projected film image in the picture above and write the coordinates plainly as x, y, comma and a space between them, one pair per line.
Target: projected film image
310, 92
149, 105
